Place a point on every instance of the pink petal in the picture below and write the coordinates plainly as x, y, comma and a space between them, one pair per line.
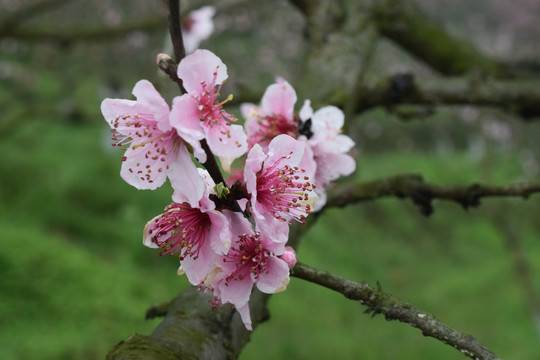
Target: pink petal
201, 28
306, 112
143, 172
286, 146
245, 316
275, 247
185, 118
331, 116
148, 96
326, 128
276, 277
236, 292
273, 228
308, 162
199, 67
147, 238
321, 198
239, 224
112, 108
185, 179
220, 232
279, 99
253, 165
249, 110
331, 166
197, 269
225, 147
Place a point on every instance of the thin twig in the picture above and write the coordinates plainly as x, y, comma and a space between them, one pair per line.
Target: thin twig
380, 302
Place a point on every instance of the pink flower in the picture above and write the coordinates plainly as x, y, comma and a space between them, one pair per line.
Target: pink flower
280, 181
326, 127
198, 234
329, 147
154, 151
273, 117
253, 259
198, 115
197, 26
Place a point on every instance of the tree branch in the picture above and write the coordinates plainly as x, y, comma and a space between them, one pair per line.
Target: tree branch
380, 302
418, 34
175, 30
519, 96
193, 330
26, 11
84, 34
422, 194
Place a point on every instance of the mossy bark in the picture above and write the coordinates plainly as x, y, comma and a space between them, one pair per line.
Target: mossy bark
418, 34
193, 330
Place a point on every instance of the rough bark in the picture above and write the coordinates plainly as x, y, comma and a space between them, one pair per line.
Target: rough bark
422, 194
192, 329
418, 34
380, 302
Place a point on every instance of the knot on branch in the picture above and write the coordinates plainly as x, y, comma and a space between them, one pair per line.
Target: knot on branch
423, 198
375, 303
400, 87
471, 197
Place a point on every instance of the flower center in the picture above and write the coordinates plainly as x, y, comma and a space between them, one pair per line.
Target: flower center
272, 126
141, 135
181, 229
285, 191
249, 256
211, 111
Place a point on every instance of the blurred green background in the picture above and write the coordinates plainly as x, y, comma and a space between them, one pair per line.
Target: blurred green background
76, 279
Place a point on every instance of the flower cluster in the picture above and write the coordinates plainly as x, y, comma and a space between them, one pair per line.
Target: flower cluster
228, 239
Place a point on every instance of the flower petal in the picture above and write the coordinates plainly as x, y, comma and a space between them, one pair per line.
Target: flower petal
143, 172
276, 277
286, 148
306, 112
236, 292
273, 228
188, 185
220, 232
148, 96
197, 269
201, 67
244, 314
331, 166
113, 109
227, 147
279, 99
185, 118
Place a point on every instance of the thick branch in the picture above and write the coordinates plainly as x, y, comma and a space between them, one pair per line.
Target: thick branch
380, 302
323, 17
193, 330
27, 11
423, 194
519, 96
84, 34
405, 24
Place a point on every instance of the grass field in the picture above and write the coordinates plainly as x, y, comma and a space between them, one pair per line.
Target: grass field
77, 280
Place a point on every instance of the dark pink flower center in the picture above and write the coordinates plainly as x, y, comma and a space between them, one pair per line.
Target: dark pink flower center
140, 133
181, 230
284, 191
272, 126
249, 256
211, 111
